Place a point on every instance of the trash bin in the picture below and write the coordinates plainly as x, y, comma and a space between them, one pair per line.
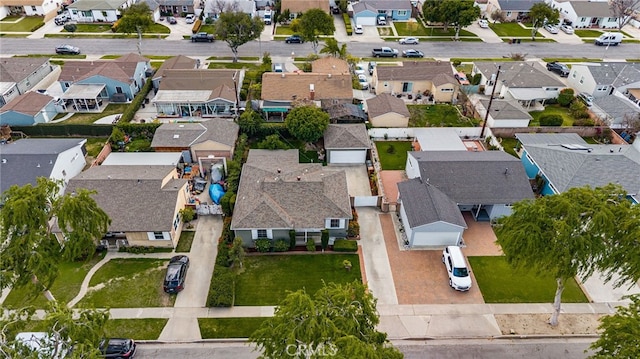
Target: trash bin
142, 105
519, 41
146, 100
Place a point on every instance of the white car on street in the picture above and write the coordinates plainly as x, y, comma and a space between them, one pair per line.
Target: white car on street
409, 41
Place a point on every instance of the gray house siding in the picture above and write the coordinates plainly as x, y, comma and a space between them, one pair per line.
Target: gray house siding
34, 78
248, 240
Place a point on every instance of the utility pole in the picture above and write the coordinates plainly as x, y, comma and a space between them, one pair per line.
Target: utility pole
493, 90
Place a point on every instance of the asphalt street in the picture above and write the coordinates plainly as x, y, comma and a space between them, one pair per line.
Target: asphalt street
14, 46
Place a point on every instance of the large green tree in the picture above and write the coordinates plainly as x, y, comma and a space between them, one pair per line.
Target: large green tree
331, 47
30, 253
313, 23
339, 321
540, 14
456, 13
620, 338
307, 123
237, 28
574, 234
136, 18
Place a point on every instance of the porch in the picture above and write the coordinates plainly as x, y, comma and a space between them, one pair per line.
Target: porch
87, 98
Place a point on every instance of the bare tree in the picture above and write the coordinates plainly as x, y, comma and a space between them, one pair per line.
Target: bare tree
623, 10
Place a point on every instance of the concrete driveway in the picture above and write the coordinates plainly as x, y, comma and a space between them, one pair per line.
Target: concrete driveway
487, 35
357, 179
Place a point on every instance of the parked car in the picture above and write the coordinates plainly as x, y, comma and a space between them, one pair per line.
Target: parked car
62, 18
462, 78
586, 98
118, 348
553, 29
412, 53
176, 274
67, 50
359, 30
202, 37
359, 70
278, 68
199, 185
381, 19
372, 66
190, 19
567, 29
456, 266
364, 84
172, 20
294, 39
483, 23
609, 38
409, 41
559, 68
267, 17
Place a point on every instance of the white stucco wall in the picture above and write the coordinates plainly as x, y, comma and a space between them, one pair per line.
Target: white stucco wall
68, 165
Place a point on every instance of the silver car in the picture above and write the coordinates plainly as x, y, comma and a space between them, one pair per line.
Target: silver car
553, 29
586, 98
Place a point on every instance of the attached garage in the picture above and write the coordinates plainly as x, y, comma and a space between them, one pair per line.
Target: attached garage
365, 19
336, 156
346, 143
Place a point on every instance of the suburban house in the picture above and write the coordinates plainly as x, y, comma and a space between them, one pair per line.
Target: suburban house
197, 93
485, 183
388, 111
28, 109
204, 139
504, 113
28, 8
277, 194
179, 62
345, 113
213, 8
512, 10
98, 10
330, 65
560, 161
19, 75
143, 202
616, 110
587, 14
346, 143
88, 85
433, 79
23, 161
143, 158
300, 6
526, 82
366, 12
430, 217
280, 90
440, 139
162, 8
603, 79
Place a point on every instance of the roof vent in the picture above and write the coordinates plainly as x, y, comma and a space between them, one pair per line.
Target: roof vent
506, 171
180, 126
611, 150
279, 170
298, 178
38, 165
4, 160
176, 136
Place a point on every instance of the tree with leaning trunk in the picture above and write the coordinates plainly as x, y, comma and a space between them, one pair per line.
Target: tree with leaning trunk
573, 233
623, 10
540, 14
30, 252
236, 29
313, 23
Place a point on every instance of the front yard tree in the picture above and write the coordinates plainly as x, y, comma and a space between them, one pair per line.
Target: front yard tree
540, 14
331, 47
458, 13
316, 22
307, 123
237, 28
136, 18
623, 10
29, 251
573, 234
338, 321
620, 336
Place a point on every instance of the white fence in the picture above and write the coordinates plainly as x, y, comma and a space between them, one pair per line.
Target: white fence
365, 201
409, 132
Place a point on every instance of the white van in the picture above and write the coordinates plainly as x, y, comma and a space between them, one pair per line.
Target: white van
43, 344
454, 262
267, 17
609, 39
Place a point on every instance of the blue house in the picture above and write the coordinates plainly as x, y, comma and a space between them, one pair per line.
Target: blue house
87, 84
28, 109
366, 12
562, 161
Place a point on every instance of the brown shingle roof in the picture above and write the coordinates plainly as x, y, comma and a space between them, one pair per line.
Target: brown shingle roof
16, 69
385, 103
30, 103
196, 79
415, 71
181, 135
74, 71
131, 57
346, 136
330, 65
271, 196
179, 62
283, 87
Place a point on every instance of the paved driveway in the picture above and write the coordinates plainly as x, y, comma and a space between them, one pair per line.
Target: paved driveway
479, 238
357, 179
390, 181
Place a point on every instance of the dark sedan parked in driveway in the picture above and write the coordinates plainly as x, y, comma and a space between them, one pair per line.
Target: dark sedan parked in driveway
67, 50
176, 274
559, 68
412, 53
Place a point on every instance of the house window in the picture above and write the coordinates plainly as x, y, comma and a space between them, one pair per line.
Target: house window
118, 89
158, 235
551, 89
508, 13
66, 84
334, 223
602, 88
33, 8
583, 19
582, 79
446, 90
185, 9
262, 233
611, 19
176, 221
382, 12
407, 86
104, 14
529, 158
402, 12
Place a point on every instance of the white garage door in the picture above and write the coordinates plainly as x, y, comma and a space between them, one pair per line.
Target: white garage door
344, 156
435, 239
365, 21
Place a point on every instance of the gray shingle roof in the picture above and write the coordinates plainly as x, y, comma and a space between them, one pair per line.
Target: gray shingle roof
487, 177
340, 111
30, 103
179, 62
346, 136
182, 135
506, 110
519, 74
133, 196
16, 69
271, 196
517, 5
424, 204
375, 5
598, 166
591, 8
385, 103
617, 108
615, 73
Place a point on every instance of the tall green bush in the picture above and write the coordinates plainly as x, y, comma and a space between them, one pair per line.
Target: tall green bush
551, 120
324, 239
281, 245
311, 245
292, 239
565, 97
221, 290
263, 245
129, 113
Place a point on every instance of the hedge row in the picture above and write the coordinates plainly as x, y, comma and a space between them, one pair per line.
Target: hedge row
130, 111
221, 289
347, 24
37, 27
139, 130
69, 130
345, 245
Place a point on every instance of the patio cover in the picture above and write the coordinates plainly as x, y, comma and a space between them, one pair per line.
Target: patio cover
528, 94
635, 93
83, 91
186, 96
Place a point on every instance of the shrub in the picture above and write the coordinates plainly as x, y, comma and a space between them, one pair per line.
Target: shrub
227, 234
578, 109
263, 245
345, 245
130, 111
196, 26
311, 245
347, 20
391, 149
281, 245
37, 27
354, 229
292, 239
221, 290
324, 239
475, 79
227, 202
456, 62
551, 120
565, 97
114, 27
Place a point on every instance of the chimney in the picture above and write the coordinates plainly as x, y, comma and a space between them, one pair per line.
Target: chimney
298, 178
279, 170
312, 92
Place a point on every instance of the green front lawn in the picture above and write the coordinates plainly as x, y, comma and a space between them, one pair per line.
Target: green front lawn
511, 29
509, 144
213, 328
65, 288
94, 145
565, 59
24, 25
552, 110
500, 283
266, 279
138, 329
139, 145
129, 283
185, 241
587, 33
402, 28
284, 30
393, 154
90, 118
437, 116
91, 28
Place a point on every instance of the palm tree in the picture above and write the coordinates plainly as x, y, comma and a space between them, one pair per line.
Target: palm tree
332, 48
